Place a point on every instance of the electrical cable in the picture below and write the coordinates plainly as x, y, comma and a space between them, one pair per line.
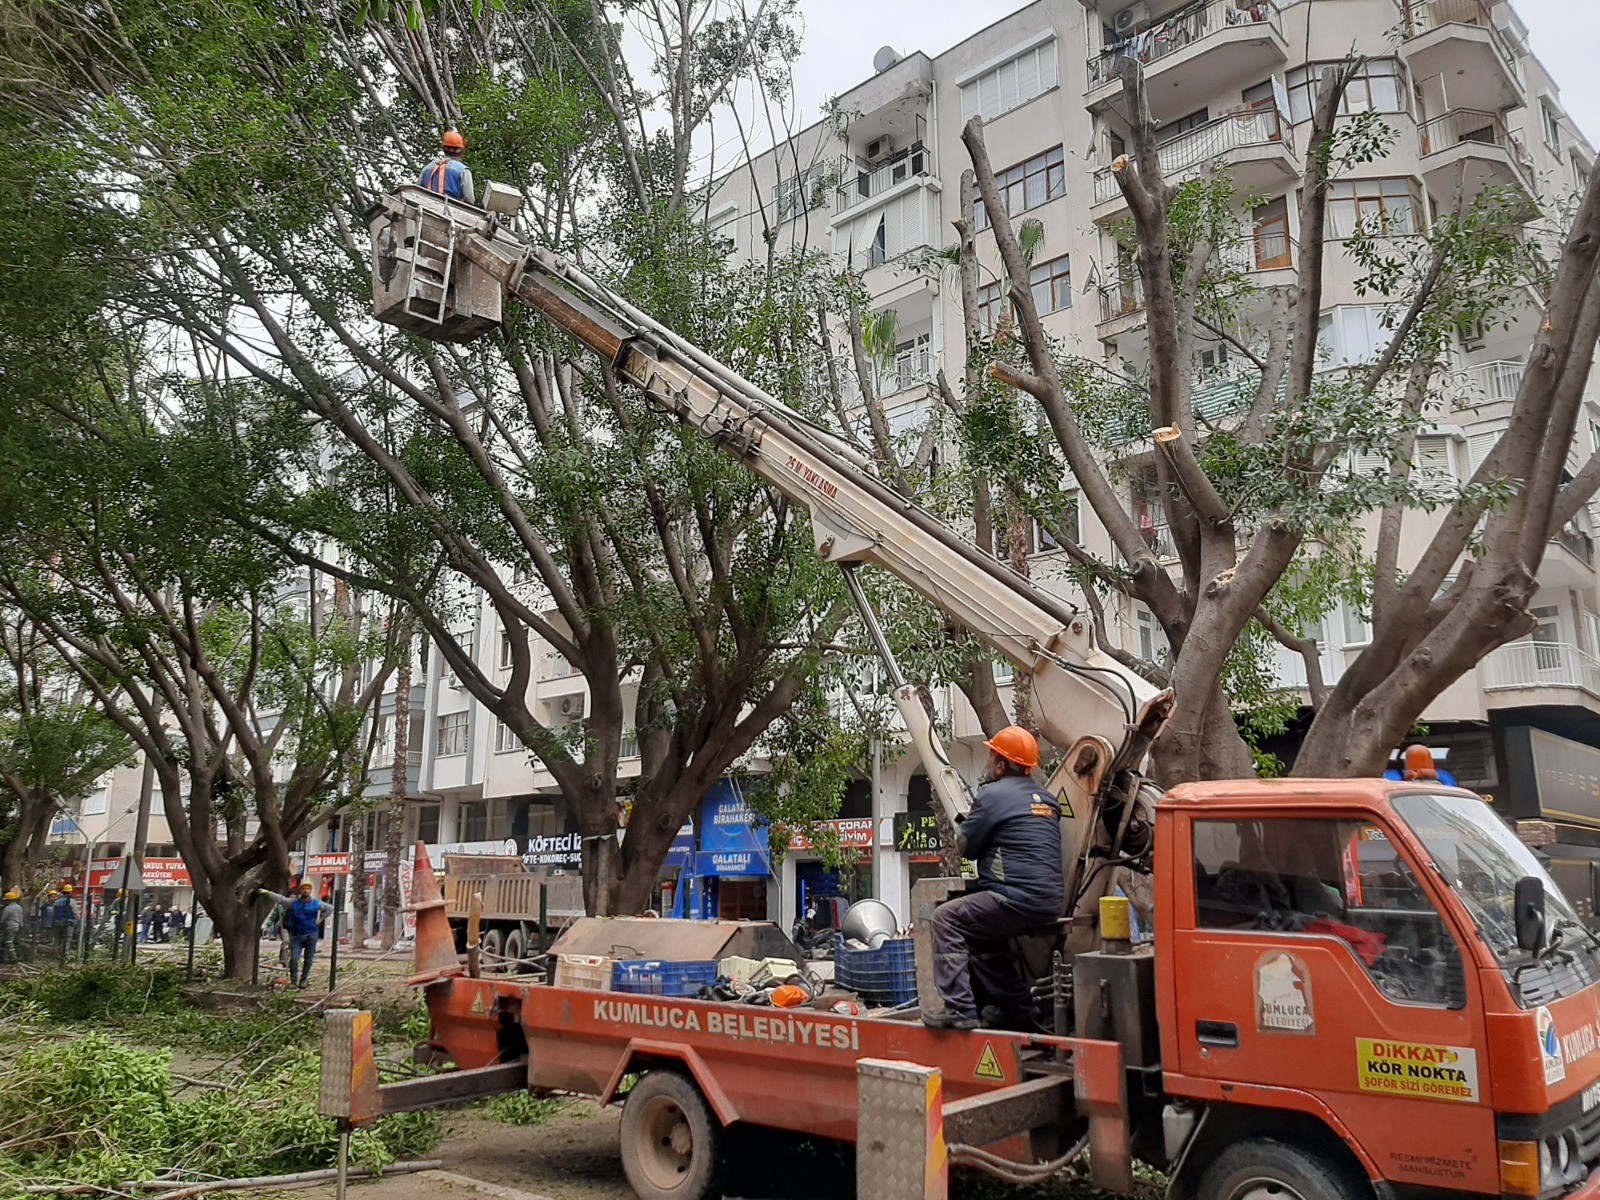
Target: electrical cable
1021, 1174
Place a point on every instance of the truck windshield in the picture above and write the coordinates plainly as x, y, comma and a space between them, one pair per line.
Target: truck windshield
1482, 860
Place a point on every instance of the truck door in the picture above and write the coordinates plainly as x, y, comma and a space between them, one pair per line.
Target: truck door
1312, 958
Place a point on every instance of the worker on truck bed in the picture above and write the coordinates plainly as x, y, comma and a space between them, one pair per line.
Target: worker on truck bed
1014, 834
448, 175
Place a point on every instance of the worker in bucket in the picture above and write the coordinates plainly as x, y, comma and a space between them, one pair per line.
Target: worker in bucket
1014, 834
448, 175
302, 927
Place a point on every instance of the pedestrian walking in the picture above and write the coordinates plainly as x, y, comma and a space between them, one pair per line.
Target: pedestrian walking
302, 927
10, 926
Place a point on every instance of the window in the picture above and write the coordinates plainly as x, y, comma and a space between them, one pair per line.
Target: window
468, 645
1012, 83
472, 821
1378, 87
427, 824
1153, 646
1174, 129
1052, 285
1357, 629
95, 803
1551, 121
1374, 206
1432, 460
801, 193
1355, 333
1546, 637
451, 737
505, 651
505, 739
1333, 879
880, 245
1027, 185
1065, 519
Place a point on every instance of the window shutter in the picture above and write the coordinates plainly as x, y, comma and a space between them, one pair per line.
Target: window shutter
1028, 76
1433, 459
969, 102
1047, 66
894, 227
1479, 443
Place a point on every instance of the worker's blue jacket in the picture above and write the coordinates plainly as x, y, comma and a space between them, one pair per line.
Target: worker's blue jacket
1014, 834
447, 176
300, 918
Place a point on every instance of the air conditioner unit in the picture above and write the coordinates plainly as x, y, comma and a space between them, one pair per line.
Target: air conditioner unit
571, 706
1127, 22
879, 149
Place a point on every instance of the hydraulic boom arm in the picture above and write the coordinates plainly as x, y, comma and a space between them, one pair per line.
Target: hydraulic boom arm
443, 269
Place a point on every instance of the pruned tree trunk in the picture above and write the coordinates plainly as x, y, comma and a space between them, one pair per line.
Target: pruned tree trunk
399, 777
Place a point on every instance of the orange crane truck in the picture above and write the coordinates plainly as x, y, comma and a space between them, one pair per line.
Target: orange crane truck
1355, 988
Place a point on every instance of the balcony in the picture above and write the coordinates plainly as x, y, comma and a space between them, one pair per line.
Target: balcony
1121, 306
383, 758
1268, 256
1544, 668
907, 370
868, 182
1218, 41
1457, 40
1496, 382
1568, 560
1475, 149
1253, 143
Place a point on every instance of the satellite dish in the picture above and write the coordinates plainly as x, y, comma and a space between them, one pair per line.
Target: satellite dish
884, 59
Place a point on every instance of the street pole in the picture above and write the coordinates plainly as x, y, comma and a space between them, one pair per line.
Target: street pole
255, 952
141, 837
83, 916
333, 952
194, 925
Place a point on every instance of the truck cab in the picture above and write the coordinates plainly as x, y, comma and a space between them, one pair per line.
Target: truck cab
1338, 967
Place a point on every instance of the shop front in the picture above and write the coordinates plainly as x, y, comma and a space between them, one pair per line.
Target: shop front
1552, 796
731, 869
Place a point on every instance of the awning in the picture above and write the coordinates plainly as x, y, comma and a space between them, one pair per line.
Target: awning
1566, 852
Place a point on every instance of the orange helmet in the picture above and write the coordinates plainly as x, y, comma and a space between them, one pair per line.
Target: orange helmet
1016, 745
453, 140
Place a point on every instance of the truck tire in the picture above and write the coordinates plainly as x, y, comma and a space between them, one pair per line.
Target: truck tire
1263, 1169
671, 1141
493, 943
516, 947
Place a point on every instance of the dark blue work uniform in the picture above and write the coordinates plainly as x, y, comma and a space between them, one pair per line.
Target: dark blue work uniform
1014, 834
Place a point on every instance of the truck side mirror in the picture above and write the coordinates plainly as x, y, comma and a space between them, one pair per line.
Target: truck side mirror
1528, 904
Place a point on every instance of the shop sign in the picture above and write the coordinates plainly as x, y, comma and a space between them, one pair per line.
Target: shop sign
680, 855
166, 872
327, 864
727, 824
735, 863
917, 833
855, 833
563, 851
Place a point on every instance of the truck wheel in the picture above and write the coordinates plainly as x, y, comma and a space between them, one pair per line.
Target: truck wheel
1268, 1170
515, 949
493, 943
670, 1139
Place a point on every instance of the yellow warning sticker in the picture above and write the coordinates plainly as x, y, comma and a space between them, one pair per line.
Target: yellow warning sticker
988, 1064
1066, 805
477, 1003
1421, 1071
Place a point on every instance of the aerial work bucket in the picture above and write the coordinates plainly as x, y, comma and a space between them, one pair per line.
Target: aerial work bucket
422, 279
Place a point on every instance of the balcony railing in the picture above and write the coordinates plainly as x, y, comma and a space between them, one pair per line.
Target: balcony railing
383, 757
1468, 125
1269, 249
1540, 665
555, 666
1121, 297
1498, 381
1576, 542
1424, 16
908, 369
1257, 127
874, 180
1179, 32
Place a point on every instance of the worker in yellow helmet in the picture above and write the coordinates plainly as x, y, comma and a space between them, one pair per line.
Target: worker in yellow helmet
1014, 834
62, 919
10, 925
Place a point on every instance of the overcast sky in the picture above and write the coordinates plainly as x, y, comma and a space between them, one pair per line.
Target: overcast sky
842, 36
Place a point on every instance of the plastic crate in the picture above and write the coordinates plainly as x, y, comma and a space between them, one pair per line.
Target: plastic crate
887, 975
652, 977
591, 971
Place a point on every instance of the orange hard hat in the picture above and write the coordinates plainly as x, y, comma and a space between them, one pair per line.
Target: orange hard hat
1016, 745
1419, 763
789, 995
453, 140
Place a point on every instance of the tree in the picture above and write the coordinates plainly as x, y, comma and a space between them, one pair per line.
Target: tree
54, 747
243, 688
1266, 508
518, 472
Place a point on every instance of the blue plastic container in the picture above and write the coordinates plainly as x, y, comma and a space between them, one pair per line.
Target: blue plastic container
887, 975
652, 977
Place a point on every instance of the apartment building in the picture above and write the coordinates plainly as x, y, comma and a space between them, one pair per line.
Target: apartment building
1231, 82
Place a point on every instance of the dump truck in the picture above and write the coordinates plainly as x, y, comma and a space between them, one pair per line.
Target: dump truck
1356, 988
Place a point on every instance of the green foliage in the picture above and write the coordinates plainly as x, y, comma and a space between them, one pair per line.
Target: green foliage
99, 992
521, 1108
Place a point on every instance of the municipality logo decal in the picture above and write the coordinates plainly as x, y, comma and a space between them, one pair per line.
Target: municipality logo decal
1555, 1066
